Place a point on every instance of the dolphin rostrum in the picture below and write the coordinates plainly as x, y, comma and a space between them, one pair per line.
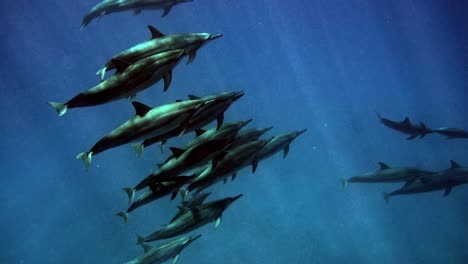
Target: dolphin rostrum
452, 133
129, 80
114, 6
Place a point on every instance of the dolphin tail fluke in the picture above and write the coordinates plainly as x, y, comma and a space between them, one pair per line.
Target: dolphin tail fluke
140, 240
130, 193
138, 148
386, 197
86, 157
344, 183
101, 73
124, 216
60, 108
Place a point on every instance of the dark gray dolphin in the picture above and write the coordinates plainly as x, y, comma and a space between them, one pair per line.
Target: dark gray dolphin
130, 80
406, 127
156, 191
163, 252
113, 6
191, 219
278, 143
452, 133
444, 180
147, 122
190, 43
214, 111
387, 174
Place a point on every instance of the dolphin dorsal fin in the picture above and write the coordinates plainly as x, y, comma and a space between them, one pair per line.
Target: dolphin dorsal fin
454, 165
199, 132
141, 109
146, 247
120, 65
177, 152
383, 166
154, 32
406, 121
193, 97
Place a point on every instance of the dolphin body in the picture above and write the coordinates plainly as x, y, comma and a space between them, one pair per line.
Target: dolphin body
190, 43
444, 180
452, 133
166, 251
387, 174
278, 143
146, 123
214, 111
114, 6
406, 127
226, 164
129, 80
248, 135
156, 191
191, 219
183, 161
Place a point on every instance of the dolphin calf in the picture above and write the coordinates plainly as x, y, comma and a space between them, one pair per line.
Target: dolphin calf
444, 180
245, 136
214, 111
166, 251
387, 174
227, 164
157, 190
113, 6
406, 127
452, 133
147, 122
191, 219
190, 43
129, 80
278, 143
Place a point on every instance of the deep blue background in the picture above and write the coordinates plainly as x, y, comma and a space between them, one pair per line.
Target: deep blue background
321, 65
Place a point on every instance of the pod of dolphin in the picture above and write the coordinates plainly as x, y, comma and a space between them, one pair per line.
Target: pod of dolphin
416, 180
212, 156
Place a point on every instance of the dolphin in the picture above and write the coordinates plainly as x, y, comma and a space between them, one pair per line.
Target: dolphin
214, 111
444, 180
183, 161
113, 6
129, 80
156, 191
406, 127
387, 174
278, 143
227, 164
191, 219
163, 252
452, 133
147, 122
190, 43
245, 136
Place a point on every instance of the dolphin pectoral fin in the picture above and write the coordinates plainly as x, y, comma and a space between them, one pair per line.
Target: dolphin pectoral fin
166, 11
233, 176
60, 108
174, 195
136, 12
167, 80
154, 32
411, 137
138, 148
175, 259
191, 56
254, 165
220, 121
344, 183
86, 157
217, 222
286, 151
130, 193
140, 240
124, 215
447, 191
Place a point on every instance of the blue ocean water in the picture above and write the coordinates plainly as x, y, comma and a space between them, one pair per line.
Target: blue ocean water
322, 65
